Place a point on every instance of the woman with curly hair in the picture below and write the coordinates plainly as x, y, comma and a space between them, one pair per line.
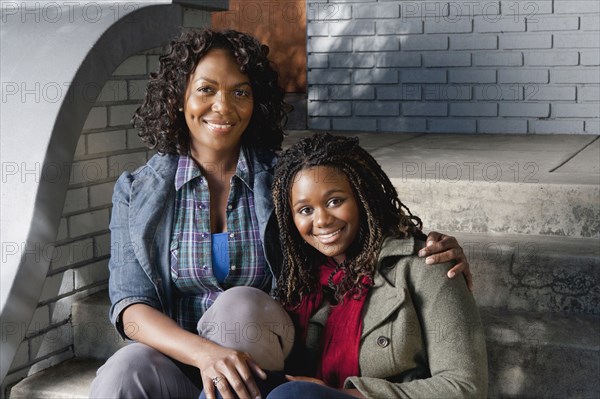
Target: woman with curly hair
380, 324
195, 226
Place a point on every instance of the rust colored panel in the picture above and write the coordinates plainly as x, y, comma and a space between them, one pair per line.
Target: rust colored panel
281, 24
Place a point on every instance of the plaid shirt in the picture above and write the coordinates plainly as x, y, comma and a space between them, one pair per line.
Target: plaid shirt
196, 286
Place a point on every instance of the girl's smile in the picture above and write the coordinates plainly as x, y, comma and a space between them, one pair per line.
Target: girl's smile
328, 238
325, 210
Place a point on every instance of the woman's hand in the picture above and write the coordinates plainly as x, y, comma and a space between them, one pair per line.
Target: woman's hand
442, 248
230, 372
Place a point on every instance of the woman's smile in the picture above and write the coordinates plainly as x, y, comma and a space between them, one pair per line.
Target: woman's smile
219, 126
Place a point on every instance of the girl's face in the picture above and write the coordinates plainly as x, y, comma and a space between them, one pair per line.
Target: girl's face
218, 103
325, 210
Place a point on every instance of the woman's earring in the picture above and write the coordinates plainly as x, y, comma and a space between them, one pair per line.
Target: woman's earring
180, 109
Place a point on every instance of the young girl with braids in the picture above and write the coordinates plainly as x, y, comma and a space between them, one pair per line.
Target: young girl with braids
380, 323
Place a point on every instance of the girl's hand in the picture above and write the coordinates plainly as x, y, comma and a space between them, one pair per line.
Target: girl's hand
442, 248
230, 372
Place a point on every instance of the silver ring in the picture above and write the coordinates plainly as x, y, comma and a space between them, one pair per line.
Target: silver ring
216, 380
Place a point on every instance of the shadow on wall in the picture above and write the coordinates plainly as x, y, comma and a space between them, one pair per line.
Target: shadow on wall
454, 67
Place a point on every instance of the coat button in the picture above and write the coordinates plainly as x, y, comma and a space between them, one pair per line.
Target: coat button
383, 341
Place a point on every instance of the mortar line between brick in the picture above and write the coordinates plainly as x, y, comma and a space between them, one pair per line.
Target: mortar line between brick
574, 155
51, 326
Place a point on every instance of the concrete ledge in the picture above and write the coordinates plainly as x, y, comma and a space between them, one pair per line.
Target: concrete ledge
570, 210
493, 158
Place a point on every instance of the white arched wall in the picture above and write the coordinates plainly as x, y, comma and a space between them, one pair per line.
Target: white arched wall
52, 54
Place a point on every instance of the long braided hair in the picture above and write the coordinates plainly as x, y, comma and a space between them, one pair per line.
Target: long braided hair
382, 214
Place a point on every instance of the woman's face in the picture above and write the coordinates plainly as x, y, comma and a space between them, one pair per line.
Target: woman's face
217, 103
325, 210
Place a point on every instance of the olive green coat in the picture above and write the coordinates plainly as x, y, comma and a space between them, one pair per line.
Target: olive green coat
422, 335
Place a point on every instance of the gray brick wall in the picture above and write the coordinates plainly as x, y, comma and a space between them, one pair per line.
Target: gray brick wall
466, 66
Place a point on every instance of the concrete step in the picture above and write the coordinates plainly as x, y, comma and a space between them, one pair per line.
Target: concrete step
94, 336
530, 356
70, 379
570, 210
543, 185
537, 355
534, 273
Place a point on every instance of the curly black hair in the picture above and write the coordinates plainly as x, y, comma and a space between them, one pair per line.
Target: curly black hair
382, 214
162, 127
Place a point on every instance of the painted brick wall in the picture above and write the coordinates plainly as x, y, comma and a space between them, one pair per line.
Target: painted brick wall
477, 66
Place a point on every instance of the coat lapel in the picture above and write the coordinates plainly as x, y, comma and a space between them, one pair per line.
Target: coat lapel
385, 296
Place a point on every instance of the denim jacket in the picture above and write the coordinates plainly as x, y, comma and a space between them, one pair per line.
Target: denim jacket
141, 223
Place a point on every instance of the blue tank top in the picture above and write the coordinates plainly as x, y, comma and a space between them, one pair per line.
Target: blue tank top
220, 255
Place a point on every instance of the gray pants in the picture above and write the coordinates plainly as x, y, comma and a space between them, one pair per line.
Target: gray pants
139, 371
242, 318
